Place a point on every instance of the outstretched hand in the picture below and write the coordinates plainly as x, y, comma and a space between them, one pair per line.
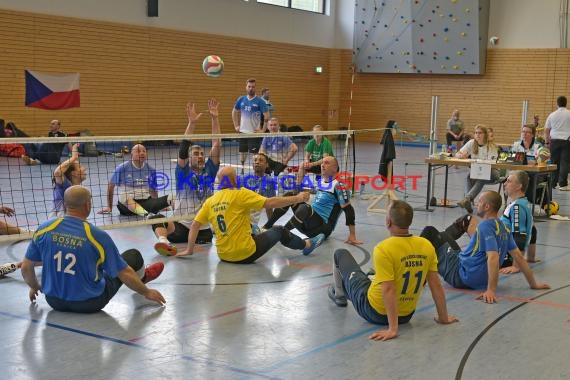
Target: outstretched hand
193, 116
509, 270
213, 107
488, 297
8, 211
383, 335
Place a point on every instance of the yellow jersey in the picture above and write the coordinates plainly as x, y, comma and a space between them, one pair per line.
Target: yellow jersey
228, 211
406, 260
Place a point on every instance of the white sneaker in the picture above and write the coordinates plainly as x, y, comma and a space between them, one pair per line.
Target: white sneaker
564, 188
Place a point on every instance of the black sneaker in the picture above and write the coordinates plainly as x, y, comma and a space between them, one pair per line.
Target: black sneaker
339, 301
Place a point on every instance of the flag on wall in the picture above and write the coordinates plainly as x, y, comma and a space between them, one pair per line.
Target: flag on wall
52, 91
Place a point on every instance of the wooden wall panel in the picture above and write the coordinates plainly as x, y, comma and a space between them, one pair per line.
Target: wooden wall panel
137, 80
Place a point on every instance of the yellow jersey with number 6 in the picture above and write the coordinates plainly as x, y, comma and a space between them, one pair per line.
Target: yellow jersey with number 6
228, 211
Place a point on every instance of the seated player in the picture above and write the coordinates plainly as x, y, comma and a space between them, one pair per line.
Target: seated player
477, 265
136, 197
316, 149
81, 266
229, 210
403, 264
69, 172
7, 228
321, 216
45, 153
279, 149
194, 177
262, 184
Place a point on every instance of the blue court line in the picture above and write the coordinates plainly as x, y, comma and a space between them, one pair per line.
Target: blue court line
368, 330
208, 362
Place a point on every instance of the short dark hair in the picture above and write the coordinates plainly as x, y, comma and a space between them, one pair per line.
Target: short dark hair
401, 213
264, 90
493, 199
250, 80
561, 101
532, 127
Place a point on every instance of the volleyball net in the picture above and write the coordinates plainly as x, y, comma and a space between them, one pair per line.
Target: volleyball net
31, 185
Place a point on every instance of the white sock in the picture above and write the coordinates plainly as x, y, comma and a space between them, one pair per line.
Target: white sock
163, 239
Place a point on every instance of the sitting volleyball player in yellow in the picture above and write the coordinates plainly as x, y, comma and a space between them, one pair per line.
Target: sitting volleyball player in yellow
403, 263
228, 211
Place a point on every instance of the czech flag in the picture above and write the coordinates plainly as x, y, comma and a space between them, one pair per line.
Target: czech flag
52, 91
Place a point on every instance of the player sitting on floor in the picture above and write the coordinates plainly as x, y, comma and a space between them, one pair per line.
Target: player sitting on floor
229, 212
477, 265
136, 197
403, 264
69, 172
194, 177
279, 149
322, 215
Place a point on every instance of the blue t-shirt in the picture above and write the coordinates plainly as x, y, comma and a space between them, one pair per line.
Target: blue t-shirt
74, 255
58, 191
134, 181
491, 235
192, 189
250, 113
518, 216
276, 147
264, 185
329, 195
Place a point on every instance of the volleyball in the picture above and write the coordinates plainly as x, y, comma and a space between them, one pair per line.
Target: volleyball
552, 207
542, 154
213, 66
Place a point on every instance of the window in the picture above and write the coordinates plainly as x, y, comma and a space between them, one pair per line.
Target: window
317, 6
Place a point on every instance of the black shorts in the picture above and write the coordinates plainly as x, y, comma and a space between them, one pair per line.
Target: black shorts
249, 145
314, 169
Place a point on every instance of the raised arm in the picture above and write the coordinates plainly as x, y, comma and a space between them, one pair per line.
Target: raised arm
193, 117
216, 143
58, 173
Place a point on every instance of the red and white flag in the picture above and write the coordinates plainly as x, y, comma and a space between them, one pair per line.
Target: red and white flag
52, 91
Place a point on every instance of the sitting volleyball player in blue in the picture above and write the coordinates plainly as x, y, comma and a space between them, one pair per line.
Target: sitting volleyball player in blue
404, 264
81, 265
322, 215
70, 172
518, 216
136, 197
194, 178
477, 266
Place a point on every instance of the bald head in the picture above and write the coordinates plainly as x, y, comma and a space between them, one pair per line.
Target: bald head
138, 153
227, 178
77, 201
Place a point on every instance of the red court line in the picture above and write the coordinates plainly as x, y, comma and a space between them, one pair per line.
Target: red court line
215, 316
512, 298
307, 265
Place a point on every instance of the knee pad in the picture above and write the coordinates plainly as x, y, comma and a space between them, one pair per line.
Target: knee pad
134, 259
303, 211
432, 234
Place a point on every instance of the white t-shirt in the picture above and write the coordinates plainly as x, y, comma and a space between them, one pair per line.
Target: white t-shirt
485, 152
559, 124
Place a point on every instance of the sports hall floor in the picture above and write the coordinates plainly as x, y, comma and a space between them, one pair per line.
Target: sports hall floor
273, 319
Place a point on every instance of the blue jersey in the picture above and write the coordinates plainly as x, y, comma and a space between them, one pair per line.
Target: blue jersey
250, 113
134, 181
491, 235
264, 185
329, 195
518, 216
58, 191
74, 255
276, 147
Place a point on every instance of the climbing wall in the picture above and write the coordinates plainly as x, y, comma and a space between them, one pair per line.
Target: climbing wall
421, 36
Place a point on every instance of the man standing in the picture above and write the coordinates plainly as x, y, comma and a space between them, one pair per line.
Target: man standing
265, 94
81, 266
279, 149
246, 116
557, 135
403, 264
477, 266
228, 211
194, 177
135, 195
